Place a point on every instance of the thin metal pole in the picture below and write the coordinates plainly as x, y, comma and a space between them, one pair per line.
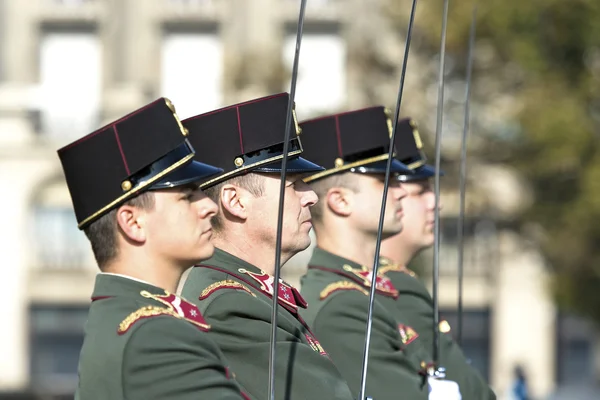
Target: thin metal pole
288, 125
463, 177
365, 361
438, 148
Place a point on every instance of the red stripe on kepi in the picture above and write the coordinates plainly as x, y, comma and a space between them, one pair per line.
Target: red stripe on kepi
237, 110
338, 135
121, 150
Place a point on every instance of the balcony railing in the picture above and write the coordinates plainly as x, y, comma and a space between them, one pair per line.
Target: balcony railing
59, 244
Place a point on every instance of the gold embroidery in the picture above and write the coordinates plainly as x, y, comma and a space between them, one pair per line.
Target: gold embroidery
396, 268
228, 284
173, 312
144, 312
315, 345
381, 285
341, 285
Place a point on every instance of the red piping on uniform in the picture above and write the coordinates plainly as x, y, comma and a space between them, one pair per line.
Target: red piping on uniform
237, 110
121, 150
100, 298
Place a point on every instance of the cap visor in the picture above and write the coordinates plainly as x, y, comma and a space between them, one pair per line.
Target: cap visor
422, 172
379, 167
190, 173
294, 165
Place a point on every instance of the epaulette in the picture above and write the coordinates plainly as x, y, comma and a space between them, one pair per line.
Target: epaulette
175, 307
226, 284
341, 285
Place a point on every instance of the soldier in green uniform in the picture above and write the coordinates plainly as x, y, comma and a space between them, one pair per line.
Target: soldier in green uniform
134, 187
234, 288
354, 148
415, 304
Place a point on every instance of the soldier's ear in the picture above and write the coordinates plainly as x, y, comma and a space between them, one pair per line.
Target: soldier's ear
339, 201
234, 202
131, 223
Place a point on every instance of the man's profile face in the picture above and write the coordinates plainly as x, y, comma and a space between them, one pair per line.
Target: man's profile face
262, 221
366, 204
419, 211
178, 227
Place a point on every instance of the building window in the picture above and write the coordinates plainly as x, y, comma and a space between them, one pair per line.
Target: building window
59, 244
56, 337
575, 351
192, 71
321, 85
70, 83
480, 246
475, 337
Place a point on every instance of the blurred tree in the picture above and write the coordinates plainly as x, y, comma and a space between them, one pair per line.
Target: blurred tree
536, 100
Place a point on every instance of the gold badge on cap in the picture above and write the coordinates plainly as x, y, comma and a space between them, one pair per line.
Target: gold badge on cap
126, 186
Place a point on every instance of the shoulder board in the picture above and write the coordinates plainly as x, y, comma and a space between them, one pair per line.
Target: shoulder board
226, 284
176, 307
341, 285
397, 268
148, 312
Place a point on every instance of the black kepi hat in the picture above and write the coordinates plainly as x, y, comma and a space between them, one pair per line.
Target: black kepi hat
145, 150
248, 137
355, 141
409, 148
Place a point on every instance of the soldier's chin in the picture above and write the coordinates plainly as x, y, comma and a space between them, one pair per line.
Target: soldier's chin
429, 241
204, 253
392, 230
303, 244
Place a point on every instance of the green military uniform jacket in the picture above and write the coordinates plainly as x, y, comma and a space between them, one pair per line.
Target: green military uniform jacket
143, 343
415, 306
338, 293
236, 298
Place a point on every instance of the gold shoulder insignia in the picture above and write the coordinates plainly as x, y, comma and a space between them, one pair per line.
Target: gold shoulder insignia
341, 285
144, 312
226, 284
383, 269
444, 326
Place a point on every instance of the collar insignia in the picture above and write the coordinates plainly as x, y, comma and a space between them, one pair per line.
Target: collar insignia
382, 283
287, 295
175, 306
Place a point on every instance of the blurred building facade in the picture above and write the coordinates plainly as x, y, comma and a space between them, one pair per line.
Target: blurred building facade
69, 66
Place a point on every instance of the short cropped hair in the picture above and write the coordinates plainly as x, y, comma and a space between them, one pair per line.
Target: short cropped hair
252, 182
322, 186
102, 233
